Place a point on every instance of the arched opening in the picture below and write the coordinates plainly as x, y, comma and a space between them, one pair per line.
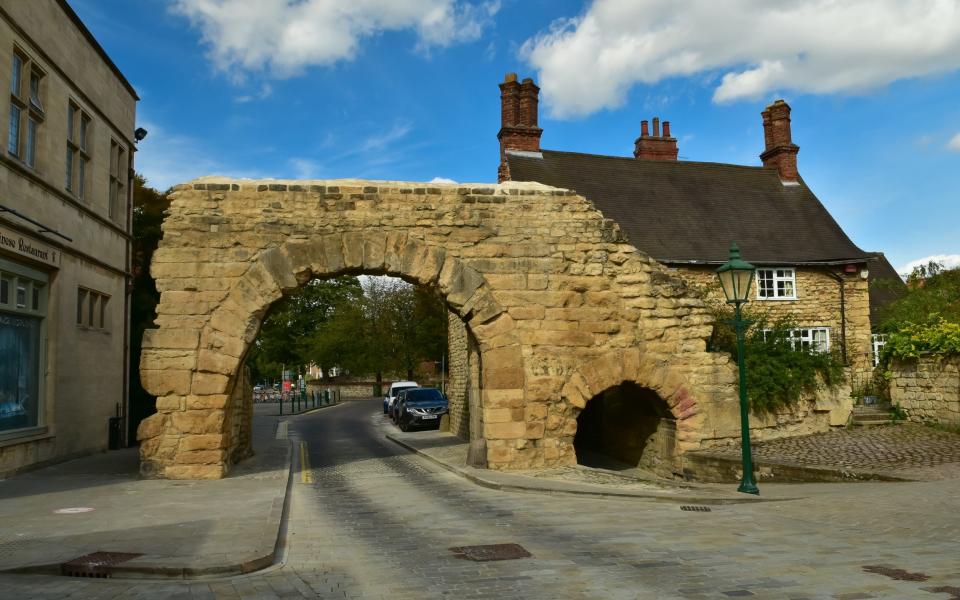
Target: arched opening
625, 427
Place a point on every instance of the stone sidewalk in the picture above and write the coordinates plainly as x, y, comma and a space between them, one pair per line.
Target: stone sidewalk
180, 528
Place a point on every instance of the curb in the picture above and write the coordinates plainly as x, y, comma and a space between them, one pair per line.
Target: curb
795, 473
512, 487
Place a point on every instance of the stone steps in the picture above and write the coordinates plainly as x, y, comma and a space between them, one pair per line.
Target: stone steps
869, 416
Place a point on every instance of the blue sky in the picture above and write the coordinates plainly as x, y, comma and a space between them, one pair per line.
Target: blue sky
407, 90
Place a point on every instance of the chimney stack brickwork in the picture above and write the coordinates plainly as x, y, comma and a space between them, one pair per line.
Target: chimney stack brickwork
780, 151
656, 146
519, 105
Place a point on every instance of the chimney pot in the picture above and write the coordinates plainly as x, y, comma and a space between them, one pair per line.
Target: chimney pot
509, 77
654, 147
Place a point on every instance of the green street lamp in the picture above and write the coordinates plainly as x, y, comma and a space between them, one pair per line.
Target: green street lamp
735, 277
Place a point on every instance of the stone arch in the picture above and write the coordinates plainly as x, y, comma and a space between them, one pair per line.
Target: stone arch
197, 429
544, 282
631, 365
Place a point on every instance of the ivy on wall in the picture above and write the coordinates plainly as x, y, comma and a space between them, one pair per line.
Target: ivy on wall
779, 371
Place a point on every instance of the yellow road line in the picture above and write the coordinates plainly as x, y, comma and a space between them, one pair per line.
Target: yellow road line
306, 475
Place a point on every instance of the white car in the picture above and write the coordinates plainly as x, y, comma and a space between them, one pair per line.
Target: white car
395, 388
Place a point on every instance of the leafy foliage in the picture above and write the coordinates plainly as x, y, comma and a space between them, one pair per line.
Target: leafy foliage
914, 340
779, 372
933, 294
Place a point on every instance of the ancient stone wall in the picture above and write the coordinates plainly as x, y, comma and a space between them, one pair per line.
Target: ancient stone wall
458, 370
927, 389
558, 306
817, 305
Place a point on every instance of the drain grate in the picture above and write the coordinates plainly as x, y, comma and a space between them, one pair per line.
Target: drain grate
95, 564
491, 552
694, 508
898, 574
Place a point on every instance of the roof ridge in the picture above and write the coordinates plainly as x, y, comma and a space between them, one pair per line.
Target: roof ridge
679, 162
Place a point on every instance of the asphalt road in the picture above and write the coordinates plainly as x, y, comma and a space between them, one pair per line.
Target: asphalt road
369, 520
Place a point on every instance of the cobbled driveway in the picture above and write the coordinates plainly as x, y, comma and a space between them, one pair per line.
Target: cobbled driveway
906, 450
376, 522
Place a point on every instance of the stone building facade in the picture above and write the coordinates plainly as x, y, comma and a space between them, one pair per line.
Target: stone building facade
685, 214
64, 236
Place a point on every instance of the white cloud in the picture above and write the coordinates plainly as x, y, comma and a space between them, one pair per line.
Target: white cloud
949, 261
589, 62
954, 143
442, 180
282, 37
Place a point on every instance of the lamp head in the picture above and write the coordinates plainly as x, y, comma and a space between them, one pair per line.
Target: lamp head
735, 277
139, 134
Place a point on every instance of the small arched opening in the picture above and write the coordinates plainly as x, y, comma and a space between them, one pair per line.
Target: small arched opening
624, 427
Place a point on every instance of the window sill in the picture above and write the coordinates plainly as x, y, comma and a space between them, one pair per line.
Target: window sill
22, 436
93, 329
793, 299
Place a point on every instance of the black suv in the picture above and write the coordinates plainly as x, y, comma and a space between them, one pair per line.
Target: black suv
420, 407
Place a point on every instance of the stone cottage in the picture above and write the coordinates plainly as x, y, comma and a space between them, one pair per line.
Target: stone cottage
685, 214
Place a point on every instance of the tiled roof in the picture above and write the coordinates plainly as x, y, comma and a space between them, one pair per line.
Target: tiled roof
685, 211
885, 286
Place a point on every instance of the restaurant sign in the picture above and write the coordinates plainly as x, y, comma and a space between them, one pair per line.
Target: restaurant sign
17, 243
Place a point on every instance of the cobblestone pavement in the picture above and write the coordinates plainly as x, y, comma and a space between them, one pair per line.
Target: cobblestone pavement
910, 449
376, 522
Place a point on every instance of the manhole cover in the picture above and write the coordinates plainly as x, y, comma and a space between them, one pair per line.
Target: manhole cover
491, 552
898, 574
73, 510
95, 564
692, 508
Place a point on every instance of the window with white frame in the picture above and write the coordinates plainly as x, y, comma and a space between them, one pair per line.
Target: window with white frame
26, 108
879, 341
777, 284
816, 339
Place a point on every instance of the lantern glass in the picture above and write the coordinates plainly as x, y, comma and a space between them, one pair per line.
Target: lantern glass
736, 277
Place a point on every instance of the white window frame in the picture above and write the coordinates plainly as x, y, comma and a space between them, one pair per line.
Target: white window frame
807, 337
879, 340
778, 275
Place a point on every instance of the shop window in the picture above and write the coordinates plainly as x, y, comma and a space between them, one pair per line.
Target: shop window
22, 313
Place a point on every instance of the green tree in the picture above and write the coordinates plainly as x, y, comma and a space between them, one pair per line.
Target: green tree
287, 330
933, 294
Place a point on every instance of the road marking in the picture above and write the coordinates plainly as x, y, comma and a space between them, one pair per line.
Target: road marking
306, 475
283, 428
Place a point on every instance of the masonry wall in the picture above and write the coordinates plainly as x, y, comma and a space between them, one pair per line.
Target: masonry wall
557, 304
927, 389
458, 369
817, 305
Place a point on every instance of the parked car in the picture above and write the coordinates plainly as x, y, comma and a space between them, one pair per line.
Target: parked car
395, 389
420, 407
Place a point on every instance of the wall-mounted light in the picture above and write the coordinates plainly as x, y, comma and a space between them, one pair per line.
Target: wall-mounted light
139, 134
864, 273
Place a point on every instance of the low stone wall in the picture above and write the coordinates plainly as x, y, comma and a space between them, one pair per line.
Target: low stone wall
827, 409
927, 389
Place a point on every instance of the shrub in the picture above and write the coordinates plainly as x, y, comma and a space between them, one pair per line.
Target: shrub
779, 372
914, 340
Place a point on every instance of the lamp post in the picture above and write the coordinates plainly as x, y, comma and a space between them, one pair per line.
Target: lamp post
735, 277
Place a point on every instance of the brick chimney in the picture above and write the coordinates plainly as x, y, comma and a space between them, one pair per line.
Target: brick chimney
518, 119
780, 152
655, 147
